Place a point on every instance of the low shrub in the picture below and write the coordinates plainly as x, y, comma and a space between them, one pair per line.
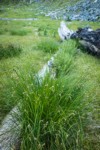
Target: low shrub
2, 31
48, 45
19, 32
9, 50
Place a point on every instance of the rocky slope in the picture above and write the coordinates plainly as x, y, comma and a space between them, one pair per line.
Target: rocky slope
84, 10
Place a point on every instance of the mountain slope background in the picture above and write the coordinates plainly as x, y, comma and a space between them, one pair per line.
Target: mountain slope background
84, 10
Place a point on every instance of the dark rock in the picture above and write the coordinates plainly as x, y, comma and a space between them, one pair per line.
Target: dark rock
89, 39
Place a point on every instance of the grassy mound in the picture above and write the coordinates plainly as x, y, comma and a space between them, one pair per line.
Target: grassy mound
48, 45
9, 50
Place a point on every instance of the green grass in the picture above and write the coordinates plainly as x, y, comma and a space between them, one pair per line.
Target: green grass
1, 31
19, 32
64, 61
57, 114
48, 45
54, 113
28, 60
58, 126
9, 50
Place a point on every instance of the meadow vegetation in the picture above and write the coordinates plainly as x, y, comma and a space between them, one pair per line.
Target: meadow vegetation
48, 45
60, 113
9, 50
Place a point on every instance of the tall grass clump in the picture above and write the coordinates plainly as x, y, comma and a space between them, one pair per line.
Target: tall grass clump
52, 113
65, 59
48, 45
9, 50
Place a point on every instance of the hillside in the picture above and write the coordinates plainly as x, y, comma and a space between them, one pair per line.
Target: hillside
84, 10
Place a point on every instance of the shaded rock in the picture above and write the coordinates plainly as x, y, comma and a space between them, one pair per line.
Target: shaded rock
89, 39
10, 130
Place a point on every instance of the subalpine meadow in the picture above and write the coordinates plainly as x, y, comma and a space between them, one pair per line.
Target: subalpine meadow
60, 113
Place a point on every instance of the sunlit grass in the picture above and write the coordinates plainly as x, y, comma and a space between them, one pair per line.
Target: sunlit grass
48, 45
